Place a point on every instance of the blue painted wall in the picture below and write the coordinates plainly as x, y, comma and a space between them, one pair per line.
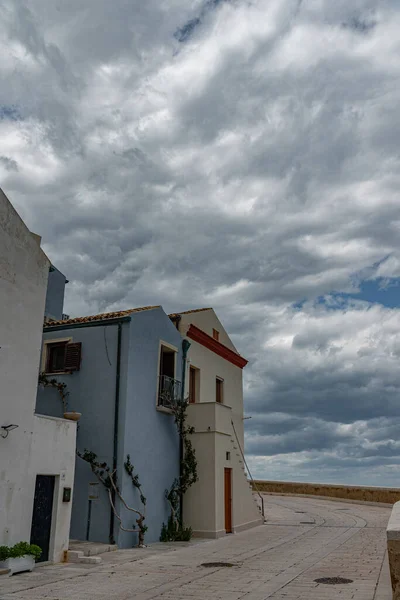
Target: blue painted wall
149, 436
55, 294
92, 393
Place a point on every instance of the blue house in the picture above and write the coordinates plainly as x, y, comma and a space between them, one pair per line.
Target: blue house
116, 367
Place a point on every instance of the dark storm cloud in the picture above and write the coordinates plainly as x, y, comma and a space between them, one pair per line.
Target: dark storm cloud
9, 163
253, 168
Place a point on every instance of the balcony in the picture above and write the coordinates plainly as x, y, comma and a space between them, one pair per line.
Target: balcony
169, 391
210, 417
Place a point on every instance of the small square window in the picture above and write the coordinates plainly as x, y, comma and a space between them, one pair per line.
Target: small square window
63, 357
216, 335
228, 456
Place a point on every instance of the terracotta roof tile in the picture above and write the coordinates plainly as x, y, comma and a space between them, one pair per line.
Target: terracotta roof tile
188, 312
100, 317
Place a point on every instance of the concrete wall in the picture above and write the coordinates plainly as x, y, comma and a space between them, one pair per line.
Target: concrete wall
150, 436
204, 503
211, 366
207, 320
53, 453
348, 492
200, 504
55, 295
23, 279
92, 393
204, 508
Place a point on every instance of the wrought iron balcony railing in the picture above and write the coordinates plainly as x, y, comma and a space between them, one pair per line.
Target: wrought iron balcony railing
169, 391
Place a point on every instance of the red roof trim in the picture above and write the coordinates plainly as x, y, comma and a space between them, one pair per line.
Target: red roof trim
196, 334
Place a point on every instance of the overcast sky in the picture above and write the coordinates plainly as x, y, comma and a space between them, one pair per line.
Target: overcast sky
239, 154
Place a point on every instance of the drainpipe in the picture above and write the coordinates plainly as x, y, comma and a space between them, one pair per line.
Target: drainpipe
185, 348
116, 423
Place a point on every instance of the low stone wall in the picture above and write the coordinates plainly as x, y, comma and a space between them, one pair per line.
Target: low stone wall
393, 542
346, 492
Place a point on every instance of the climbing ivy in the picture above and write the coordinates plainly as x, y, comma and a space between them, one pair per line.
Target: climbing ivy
175, 530
60, 386
109, 480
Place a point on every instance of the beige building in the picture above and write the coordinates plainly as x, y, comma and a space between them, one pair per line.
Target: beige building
37, 453
221, 501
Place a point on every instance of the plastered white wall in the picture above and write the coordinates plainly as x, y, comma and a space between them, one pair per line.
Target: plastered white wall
216, 449
53, 453
23, 280
211, 366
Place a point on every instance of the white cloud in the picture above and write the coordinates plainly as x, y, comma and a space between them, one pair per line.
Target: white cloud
253, 166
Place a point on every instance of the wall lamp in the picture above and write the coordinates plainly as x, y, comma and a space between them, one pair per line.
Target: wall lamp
5, 430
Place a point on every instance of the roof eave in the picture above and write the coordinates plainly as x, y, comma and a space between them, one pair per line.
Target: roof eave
98, 323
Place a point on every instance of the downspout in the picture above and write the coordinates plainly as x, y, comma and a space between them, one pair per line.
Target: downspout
116, 425
185, 348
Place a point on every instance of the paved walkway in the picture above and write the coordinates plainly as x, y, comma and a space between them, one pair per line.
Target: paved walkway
304, 539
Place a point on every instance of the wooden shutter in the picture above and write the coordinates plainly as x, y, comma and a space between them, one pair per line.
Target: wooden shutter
192, 385
73, 357
219, 391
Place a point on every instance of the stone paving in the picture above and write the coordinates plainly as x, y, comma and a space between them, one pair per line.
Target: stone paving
304, 539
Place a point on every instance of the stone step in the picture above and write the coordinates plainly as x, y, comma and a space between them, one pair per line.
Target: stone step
75, 556
91, 548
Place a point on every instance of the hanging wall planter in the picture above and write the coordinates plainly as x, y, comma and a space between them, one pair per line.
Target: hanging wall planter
72, 415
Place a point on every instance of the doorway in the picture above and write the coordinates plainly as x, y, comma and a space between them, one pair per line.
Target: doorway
42, 514
228, 500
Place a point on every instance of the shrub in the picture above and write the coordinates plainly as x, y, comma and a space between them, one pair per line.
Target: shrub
20, 549
4, 553
174, 532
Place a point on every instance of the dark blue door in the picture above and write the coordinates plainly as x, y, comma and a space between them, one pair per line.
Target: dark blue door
42, 514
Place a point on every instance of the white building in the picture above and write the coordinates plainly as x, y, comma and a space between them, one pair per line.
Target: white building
221, 501
37, 453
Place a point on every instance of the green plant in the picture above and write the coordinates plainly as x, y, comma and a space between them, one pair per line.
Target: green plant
20, 549
4, 553
35, 551
175, 529
60, 386
173, 532
109, 479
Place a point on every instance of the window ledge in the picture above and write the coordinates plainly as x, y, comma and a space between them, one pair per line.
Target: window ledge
58, 373
163, 409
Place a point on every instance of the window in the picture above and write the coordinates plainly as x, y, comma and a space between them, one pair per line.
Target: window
62, 357
216, 335
55, 357
219, 390
167, 362
192, 385
169, 388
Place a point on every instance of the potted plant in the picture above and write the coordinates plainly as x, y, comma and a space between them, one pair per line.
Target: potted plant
19, 558
61, 388
72, 415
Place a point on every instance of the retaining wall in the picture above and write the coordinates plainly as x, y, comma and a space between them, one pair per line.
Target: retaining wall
347, 492
393, 543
